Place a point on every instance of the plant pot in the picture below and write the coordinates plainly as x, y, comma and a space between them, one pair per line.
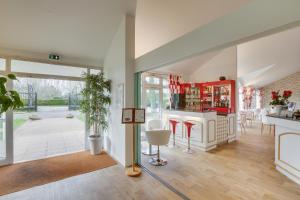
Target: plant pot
276, 109
96, 144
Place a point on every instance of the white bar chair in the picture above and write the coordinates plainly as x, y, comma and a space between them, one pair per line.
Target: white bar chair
158, 137
153, 124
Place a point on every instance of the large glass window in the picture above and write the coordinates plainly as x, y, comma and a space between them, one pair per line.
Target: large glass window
50, 105
166, 98
95, 71
2, 64
152, 80
152, 104
47, 69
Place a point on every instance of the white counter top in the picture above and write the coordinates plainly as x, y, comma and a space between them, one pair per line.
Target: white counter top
190, 113
287, 146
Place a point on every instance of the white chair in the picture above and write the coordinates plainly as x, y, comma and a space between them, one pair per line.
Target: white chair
250, 116
257, 114
153, 124
242, 121
158, 137
264, 122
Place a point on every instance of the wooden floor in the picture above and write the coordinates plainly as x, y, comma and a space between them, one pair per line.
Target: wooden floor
240, 170
106, 184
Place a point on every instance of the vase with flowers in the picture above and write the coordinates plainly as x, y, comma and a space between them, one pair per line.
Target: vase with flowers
279, 101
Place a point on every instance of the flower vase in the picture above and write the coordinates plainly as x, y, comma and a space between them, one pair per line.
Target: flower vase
276, 109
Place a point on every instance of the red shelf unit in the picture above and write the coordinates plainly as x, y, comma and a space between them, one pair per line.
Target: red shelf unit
218, 96
192, 95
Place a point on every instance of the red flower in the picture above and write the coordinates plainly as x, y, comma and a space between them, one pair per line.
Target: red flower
274, 95
287, 93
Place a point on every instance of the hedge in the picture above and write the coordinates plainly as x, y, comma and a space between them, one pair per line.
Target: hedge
53, 102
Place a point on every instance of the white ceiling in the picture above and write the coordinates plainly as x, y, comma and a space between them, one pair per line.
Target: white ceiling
188, 66
77, 29
260, 62
268, 59
159, 22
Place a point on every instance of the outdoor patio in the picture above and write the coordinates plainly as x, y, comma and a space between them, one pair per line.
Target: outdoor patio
53, 134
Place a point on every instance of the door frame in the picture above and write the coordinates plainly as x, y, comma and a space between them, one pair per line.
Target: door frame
9, 132
9, 144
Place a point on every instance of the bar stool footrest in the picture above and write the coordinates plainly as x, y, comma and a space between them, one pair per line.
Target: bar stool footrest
158, 162
189, 151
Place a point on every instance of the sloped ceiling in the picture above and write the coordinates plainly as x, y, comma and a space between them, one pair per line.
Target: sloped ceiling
77, 29
268, 59
159, 22
260, 62
188, 66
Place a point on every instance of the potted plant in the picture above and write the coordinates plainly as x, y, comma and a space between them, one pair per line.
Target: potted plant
278, 101
95, 103
9, 99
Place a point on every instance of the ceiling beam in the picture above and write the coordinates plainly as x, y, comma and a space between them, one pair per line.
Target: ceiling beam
256, 19
43, 58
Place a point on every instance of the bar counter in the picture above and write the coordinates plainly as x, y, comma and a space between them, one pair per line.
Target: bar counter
287, 146
207, 131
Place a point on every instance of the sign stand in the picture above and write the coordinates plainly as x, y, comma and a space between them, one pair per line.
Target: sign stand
133, 171
133, 116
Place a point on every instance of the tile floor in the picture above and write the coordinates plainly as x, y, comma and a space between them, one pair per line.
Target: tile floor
48, 137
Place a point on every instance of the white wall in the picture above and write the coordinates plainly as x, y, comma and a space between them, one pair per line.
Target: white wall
119, 68
173, 19
256, 19
224, 63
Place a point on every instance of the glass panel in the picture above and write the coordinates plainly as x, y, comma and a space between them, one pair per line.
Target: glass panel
50, 122
166, 98
49, 69
152, 80
2, 64
95, 71
2, 138
165, 82
152, 104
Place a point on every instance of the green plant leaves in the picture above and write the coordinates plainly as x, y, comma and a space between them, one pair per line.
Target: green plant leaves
96, 99
12, 76
8, 99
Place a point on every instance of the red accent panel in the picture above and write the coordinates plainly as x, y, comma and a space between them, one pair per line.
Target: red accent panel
188, 126
173, 123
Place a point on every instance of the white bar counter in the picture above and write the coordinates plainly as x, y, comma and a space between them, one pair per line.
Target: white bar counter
287, 146
203, 133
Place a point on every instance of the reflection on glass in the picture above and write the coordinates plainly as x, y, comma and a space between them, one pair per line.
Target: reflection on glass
152, 80
2, 138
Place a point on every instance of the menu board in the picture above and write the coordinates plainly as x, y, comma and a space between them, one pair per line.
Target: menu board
139, 116
133, 115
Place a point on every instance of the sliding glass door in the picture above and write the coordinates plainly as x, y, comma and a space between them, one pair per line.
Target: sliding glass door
49, 123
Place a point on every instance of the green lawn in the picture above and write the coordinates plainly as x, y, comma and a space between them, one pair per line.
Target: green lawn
18, 123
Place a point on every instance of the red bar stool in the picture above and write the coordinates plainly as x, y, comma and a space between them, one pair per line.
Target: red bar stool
188, 126
174, 123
